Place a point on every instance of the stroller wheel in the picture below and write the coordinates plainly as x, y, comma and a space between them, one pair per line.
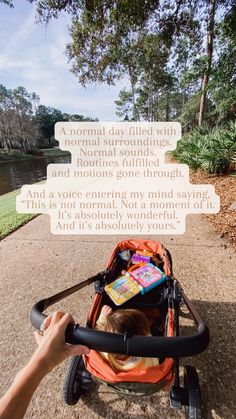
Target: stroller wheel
77, 381
191, 385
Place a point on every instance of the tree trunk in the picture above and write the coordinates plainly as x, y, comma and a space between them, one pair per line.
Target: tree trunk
205, 80
150, 90
155, 106
184, 88
167, 105
156, 110
136, 116
135, 110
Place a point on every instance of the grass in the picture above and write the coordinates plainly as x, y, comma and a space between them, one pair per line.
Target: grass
13, 155
54, 152
10, 220
18, 155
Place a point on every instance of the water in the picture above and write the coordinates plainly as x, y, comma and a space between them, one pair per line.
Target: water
15, 174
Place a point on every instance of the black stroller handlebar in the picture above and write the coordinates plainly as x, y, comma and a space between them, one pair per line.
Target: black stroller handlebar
142, 346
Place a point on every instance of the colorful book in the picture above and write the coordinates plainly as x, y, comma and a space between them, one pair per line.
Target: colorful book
148, 277
122, 289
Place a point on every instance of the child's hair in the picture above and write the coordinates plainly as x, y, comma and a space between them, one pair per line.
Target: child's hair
130, 321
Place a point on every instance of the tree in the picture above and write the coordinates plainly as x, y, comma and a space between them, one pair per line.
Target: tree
35, 99
222, 86
46, 118
23, 121
81, 118
7, 2
153, 43
106, 41
125, 104
23, 128
209, 51
16, 126
5, 122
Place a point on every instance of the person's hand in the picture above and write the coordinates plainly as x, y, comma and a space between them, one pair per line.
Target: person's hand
52, 348
106, 311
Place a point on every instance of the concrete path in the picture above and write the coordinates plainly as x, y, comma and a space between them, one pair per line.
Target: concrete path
35, 264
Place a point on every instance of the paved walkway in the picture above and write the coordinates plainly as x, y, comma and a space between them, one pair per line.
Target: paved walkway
35, 264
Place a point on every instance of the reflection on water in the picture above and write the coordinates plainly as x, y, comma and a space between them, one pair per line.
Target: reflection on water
15, 174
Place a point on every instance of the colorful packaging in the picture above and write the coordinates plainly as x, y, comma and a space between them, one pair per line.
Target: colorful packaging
137, 258
144, 253
122, 289
148, 277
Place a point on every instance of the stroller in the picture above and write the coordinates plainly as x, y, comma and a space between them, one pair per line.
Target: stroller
164, 302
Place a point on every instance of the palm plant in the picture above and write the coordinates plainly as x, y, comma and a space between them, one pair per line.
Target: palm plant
214, 152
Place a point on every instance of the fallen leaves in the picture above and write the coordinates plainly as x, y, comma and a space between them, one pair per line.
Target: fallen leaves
225, 187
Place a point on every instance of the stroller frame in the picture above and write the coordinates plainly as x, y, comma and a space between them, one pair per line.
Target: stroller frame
154, 346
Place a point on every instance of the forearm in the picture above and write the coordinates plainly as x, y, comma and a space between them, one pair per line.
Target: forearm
14, 403
52, 349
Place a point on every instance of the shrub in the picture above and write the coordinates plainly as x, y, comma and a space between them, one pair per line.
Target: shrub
214, 152
11, 154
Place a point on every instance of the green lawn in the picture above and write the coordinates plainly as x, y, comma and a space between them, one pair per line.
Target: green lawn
54, 152
18, 155
10, 220
13, 155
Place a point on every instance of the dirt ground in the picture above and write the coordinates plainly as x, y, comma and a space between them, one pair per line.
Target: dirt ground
35, 264
225, 186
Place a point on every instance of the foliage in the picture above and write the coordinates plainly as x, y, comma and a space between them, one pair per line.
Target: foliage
54, 152
125, 104
213, 151
223, 83
46, 118
113, 38
178, 55
78, 118
190, 113
24, 123
7, 2
16, 125
11, 155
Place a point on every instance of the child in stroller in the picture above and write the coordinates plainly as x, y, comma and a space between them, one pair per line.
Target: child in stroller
133, 322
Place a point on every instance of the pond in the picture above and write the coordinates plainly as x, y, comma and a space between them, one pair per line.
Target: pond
17, 173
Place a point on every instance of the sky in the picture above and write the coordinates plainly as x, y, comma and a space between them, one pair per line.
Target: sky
33, 55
